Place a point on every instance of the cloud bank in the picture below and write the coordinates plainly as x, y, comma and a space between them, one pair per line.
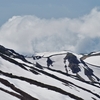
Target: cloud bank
30, 34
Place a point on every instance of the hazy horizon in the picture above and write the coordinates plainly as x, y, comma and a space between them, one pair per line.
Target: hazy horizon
31, 26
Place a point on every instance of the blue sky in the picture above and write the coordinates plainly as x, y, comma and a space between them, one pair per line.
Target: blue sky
30, 26
46, 8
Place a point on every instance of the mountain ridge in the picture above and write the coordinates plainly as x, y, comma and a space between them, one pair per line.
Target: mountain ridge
32, 78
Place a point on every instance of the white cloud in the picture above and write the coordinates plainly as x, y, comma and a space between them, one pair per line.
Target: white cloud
29, 34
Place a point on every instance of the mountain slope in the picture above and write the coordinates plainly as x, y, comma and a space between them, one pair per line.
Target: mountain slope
47, 76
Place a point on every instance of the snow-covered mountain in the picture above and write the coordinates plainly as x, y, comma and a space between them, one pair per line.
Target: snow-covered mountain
49, 76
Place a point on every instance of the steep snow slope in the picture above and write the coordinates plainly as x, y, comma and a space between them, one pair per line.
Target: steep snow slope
93, 60
38, 78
